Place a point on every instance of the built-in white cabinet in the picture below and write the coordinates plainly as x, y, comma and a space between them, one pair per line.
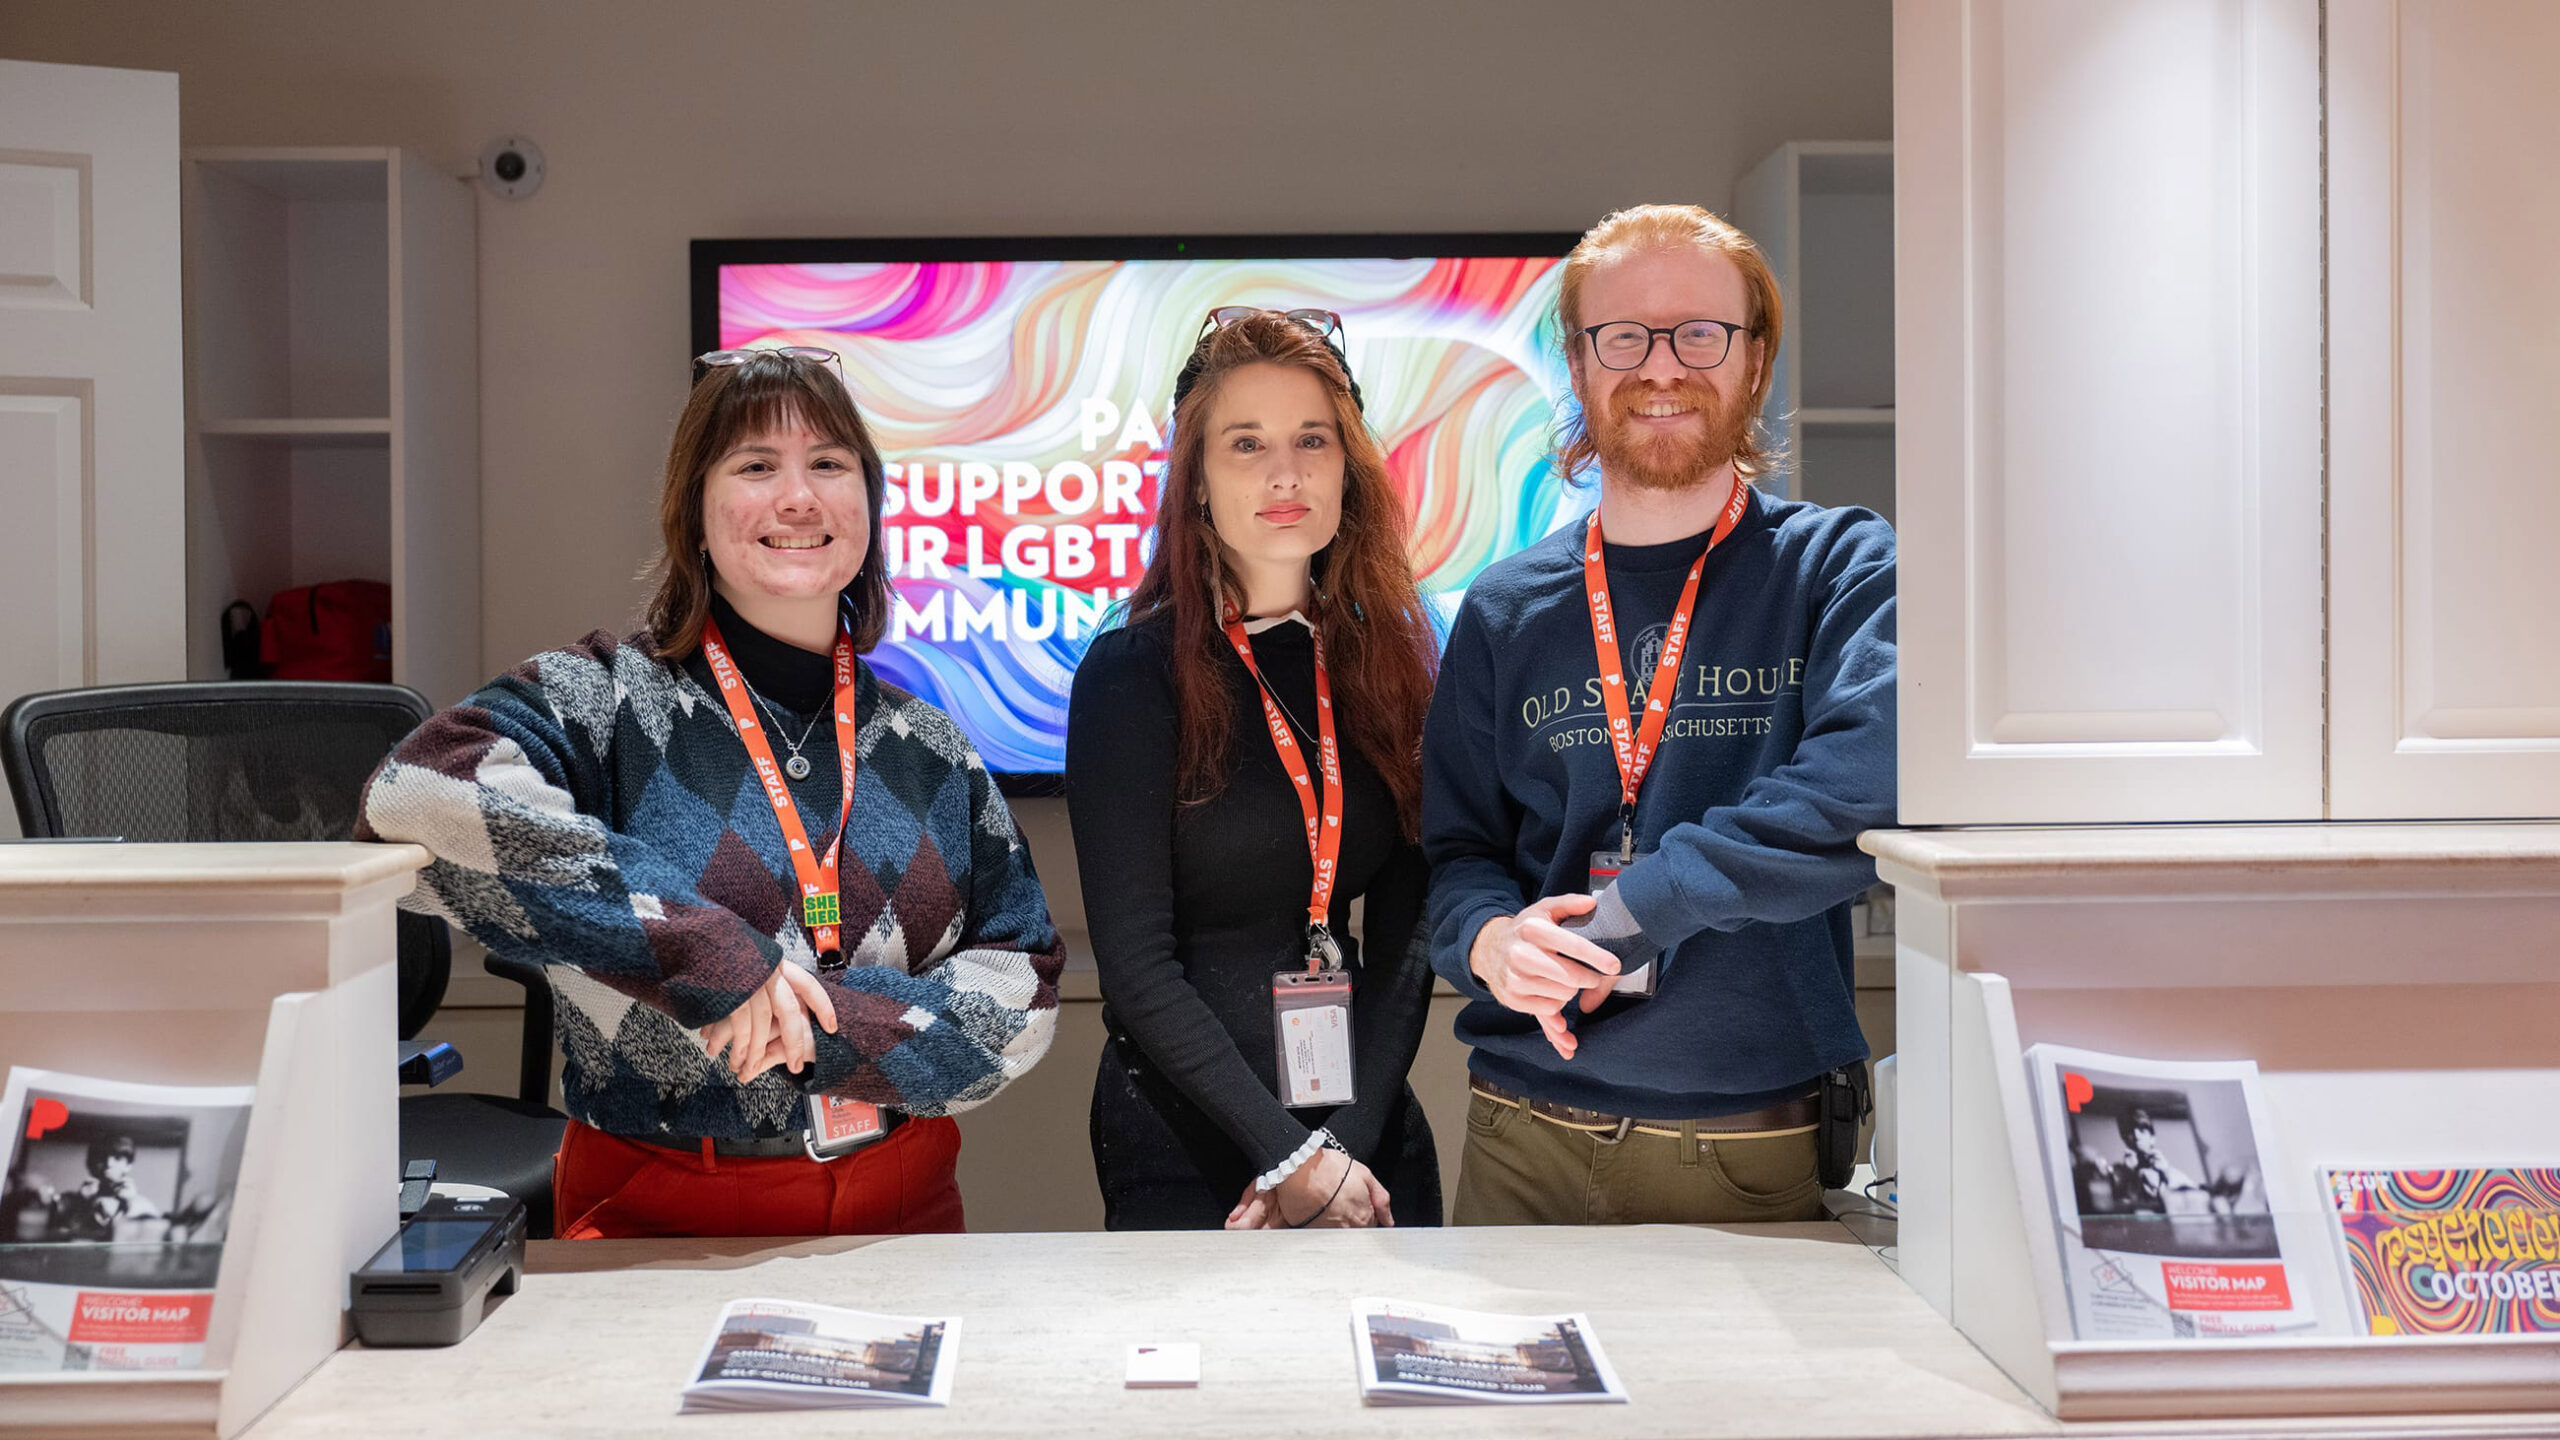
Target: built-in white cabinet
1822, 214
2145, 577
333, 383
2444, 408
2107, 314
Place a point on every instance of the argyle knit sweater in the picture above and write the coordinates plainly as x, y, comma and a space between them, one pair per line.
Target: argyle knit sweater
594, 811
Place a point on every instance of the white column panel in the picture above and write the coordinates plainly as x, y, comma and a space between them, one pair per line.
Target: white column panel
435, 444
2108, 327
2445, 456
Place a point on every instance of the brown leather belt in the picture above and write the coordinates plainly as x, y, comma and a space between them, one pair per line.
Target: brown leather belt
1786, 1117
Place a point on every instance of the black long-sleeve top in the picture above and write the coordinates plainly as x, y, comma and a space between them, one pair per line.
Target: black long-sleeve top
1193, 908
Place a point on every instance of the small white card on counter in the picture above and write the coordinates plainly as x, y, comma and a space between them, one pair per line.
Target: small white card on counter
1163, 1367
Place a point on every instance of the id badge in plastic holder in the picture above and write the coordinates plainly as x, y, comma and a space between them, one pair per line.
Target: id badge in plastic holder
1311, 1025
1636, 984
838, 1125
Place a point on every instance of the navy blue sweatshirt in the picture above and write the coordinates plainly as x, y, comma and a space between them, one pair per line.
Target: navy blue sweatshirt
1778, 751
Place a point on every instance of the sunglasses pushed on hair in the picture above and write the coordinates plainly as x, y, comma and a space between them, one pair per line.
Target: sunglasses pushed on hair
1323, 324
1326, 324
810, 353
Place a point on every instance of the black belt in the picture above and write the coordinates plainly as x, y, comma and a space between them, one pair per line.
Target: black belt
794, 1145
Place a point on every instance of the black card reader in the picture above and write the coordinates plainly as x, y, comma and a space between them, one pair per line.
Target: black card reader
431, 1283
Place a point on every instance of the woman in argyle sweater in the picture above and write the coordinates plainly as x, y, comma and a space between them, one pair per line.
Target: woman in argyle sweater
604, 811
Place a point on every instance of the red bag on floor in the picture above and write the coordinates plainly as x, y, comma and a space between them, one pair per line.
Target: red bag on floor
337, 631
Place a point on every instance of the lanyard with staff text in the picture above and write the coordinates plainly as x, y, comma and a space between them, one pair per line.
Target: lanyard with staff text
1635, 747
819, 901
1324, 819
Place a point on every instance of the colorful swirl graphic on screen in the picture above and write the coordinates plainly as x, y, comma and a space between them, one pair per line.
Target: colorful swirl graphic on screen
2452, 1252
1020, 409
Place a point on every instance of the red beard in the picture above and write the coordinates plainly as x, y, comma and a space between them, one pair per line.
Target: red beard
1681, 459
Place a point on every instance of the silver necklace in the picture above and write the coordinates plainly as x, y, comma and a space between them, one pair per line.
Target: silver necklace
797, 767
1284, 707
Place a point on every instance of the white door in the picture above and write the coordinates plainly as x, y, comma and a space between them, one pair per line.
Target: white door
92, 423
2444, 406
2107, 381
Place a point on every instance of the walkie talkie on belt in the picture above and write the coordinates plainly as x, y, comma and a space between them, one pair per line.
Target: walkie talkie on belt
1843, 1100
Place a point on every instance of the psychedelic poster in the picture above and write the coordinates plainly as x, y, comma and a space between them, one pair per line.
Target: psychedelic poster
1020, 410
2450, 1252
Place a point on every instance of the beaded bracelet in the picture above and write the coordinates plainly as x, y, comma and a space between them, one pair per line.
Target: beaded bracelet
1319, 1139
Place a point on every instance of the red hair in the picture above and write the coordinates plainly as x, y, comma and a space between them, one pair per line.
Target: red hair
1379, 648
1671, 227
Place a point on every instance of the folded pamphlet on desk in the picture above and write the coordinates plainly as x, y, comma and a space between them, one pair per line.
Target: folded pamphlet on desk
787, 1355
1412, 1354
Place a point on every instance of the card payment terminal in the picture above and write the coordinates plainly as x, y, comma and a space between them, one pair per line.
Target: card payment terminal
431, 1283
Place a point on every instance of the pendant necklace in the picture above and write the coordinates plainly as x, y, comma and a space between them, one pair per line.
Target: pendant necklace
797, 767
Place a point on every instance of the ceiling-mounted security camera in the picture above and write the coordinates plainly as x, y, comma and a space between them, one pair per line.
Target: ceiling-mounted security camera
511, 167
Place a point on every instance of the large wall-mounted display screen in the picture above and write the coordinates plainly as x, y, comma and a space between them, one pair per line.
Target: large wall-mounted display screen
1018, 391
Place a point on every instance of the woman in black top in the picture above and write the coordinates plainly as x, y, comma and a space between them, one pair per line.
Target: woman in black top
1199, 873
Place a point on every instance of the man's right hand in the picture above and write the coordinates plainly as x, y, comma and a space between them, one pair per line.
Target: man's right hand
1537, 967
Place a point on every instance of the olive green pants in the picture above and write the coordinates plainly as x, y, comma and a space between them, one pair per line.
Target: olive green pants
1521, 1169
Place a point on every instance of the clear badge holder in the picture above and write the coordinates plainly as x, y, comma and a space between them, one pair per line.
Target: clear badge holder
1311, 1031
838, 1126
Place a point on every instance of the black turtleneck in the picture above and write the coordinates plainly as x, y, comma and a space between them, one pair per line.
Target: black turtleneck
1193, 907
798, 686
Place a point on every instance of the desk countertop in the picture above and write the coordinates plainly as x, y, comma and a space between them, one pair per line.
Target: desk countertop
1793, 1330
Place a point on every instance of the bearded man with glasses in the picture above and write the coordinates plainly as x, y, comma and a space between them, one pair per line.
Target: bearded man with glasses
1656, 738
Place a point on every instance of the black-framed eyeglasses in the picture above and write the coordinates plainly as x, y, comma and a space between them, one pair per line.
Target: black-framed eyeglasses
797, 352
1325, 323
1627, 344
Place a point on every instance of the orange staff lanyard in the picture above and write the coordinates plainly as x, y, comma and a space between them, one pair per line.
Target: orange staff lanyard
820, 907
1324, 818
1635, 747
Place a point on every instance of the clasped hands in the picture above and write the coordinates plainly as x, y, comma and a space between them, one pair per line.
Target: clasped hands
1537, 967
1331, 1191
774, 1026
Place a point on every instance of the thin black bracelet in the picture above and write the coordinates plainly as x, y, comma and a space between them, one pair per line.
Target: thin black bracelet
1328, 1200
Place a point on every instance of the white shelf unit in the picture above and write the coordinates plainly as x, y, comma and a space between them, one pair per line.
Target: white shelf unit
1822, 212
2396, 986
333, 379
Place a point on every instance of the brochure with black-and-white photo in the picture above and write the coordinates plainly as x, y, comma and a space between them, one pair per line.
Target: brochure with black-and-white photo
2171, 1224
789, 1355
1413, 1354
113, 1209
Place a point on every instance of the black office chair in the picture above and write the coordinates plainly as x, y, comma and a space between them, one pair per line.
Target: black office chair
244, 760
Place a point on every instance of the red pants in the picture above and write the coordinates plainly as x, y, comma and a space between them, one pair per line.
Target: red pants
606, 1187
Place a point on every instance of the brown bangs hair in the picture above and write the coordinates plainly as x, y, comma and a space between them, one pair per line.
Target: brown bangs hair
1670, 227
732, 404
1379, 649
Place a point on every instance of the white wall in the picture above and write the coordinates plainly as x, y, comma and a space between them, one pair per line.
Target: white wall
663, 122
